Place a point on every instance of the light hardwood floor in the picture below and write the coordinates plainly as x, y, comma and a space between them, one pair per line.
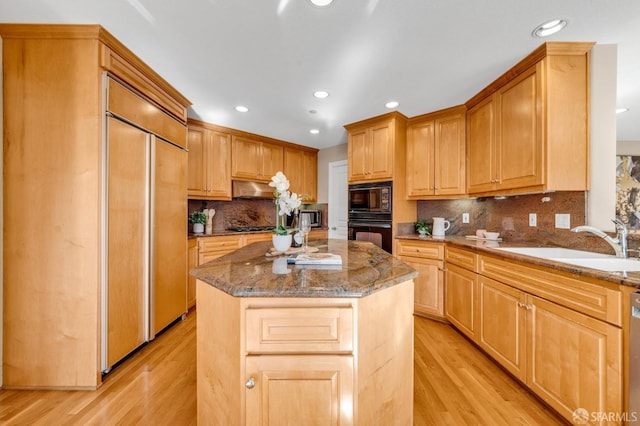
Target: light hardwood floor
455, 384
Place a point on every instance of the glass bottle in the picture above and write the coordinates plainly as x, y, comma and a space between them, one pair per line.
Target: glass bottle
295, 228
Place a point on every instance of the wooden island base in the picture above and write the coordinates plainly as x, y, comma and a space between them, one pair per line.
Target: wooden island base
289, 360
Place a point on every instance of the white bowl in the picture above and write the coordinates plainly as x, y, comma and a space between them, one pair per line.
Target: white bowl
492, 235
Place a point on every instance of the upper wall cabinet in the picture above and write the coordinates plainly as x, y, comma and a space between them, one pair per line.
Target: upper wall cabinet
375, 147
301, 168
436, 154
209, 162
254, 159
529, 130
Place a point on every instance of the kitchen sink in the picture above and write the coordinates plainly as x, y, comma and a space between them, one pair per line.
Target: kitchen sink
554, 253
586, 259
609, 264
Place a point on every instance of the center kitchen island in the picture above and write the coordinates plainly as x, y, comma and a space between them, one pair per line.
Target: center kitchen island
305, 344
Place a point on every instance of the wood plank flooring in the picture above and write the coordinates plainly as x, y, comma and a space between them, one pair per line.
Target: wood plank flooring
455, 384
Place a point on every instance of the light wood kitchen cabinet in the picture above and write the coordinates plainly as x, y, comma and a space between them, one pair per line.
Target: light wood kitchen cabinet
338, 358
528, 130
301, 168
209, 162
560, 335
374, 146
428, 259
255, 159
192, 262
502, 327
65, 258
435, 164
210, 248
461, 290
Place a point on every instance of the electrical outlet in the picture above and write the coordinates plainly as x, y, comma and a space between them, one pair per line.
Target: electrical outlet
533, 219
563, 221
465, 217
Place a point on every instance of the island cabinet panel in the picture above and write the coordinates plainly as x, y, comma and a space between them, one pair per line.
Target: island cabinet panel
306, 389
528, 130
428, 259
271, 360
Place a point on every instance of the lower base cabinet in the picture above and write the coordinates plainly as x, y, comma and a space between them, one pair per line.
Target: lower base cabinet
561, 336
427, 258
311, 361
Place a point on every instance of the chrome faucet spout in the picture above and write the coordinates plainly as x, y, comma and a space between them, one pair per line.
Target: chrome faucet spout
619, 244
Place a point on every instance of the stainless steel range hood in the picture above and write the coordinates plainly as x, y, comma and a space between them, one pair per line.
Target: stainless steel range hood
246, 189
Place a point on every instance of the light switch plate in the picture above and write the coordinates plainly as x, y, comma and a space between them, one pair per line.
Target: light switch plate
533, 219
563, 220
465, 217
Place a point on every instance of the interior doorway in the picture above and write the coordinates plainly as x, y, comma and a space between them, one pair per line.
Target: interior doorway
337, 198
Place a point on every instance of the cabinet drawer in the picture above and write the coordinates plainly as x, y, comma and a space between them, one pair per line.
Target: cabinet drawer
214, 244
326, 329
462, 258
591, 299
254, 238
424, 249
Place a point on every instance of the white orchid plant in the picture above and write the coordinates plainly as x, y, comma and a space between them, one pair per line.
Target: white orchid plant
286, 202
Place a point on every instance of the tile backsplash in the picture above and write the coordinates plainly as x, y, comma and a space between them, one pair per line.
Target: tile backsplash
244, 212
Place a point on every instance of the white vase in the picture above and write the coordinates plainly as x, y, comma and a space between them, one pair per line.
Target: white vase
198, 228
281, 243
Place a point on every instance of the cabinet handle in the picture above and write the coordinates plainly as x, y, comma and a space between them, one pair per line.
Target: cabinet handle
250, 383
525, 306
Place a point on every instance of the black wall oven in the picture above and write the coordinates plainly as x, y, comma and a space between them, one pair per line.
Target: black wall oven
370, 213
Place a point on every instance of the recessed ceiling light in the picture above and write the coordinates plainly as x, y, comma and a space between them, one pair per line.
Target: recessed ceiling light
392, 104
321, 3
320, 94
314, 131
621, 110
549, 27
241, 108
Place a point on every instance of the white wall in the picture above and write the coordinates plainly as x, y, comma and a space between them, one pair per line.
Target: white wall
628, 148
326, 156
601, 198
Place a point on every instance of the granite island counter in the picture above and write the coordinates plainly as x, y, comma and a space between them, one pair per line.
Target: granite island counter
282, 343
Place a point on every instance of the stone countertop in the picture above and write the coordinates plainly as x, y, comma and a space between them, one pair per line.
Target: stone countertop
248, 272
631, 279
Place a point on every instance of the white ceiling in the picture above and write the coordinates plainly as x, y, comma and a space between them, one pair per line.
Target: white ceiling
271, 55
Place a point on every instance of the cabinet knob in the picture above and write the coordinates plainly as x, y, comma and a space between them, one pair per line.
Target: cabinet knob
250, 383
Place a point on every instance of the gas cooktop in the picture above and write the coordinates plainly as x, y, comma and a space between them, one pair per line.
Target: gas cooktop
251, 228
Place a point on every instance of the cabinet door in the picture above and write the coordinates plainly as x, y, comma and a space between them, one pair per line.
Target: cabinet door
574, 360
481, 146
420, 159
127, 265
428, 286
197, 178
356, 154
271, 157
520, 133
449, 156
218, 165
169, 234
305, 389
310, 173
192, 262
379, 152
245, 158
502, 331
461, 306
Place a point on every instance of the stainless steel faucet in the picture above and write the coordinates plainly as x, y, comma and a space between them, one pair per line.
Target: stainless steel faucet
619, 243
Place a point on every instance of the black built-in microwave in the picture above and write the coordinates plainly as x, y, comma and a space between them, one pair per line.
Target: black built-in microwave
370, 201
